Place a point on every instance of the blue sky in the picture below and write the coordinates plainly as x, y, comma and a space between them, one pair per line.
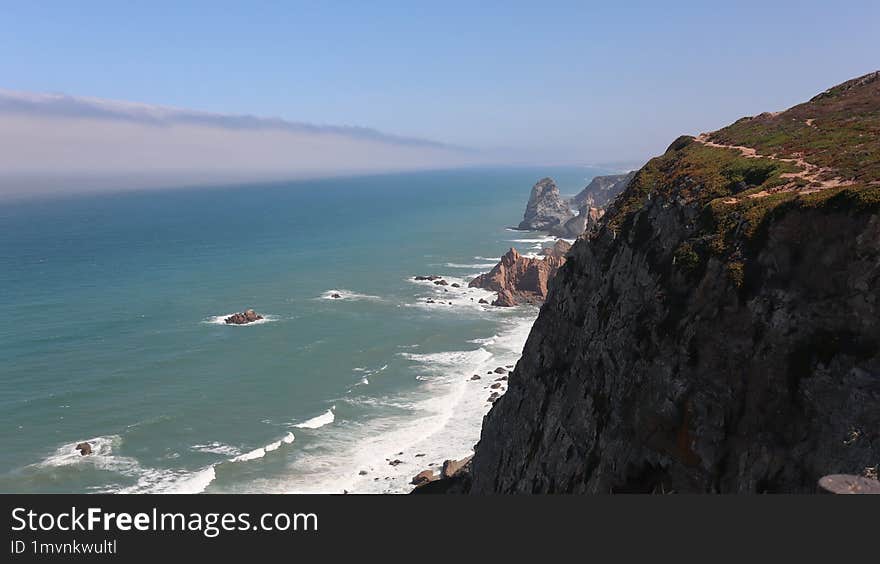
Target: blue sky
543, 82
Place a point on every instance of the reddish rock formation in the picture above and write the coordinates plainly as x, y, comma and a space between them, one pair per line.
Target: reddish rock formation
505, 299
522, 279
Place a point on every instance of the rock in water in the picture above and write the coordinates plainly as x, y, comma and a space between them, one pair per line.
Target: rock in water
719, 332
517, 277
84, 449
546, 208
245, 317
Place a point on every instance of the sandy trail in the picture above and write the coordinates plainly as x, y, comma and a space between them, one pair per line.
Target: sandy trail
816, 177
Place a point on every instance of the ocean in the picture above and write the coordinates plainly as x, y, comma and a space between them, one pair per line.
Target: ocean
113, 332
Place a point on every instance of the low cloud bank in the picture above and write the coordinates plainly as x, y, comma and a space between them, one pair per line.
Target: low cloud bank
58, 143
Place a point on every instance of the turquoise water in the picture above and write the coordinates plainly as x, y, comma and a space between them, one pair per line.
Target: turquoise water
110, 334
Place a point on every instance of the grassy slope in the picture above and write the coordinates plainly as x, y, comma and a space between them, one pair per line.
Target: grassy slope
842, 137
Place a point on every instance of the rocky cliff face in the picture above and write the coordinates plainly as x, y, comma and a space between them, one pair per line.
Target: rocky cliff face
586, 220
719, 331
519, 279
546, 208
591, 203
602, 190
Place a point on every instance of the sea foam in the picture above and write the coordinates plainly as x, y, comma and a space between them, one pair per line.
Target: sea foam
317, 422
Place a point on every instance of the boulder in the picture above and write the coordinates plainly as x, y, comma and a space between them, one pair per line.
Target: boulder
84, 448
453, 467
500, 370
423, 477
243, 318
475, 377
441, 282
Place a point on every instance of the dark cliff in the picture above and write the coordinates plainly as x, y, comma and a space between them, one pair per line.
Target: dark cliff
719, 331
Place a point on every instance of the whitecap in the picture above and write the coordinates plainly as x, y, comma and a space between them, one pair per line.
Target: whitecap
347, 295
545, 239
216, 448
470, 266
317, 422
148, 480
261, 451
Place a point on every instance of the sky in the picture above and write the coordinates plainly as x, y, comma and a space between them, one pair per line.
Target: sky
343, 87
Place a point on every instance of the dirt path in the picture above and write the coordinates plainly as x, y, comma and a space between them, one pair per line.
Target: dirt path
809, 172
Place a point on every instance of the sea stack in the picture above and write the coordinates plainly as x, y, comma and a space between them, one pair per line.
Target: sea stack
546, 208
522, 279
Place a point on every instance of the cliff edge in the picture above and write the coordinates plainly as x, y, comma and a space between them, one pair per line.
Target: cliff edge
718, 331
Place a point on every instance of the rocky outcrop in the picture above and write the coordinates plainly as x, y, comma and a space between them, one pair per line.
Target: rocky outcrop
522, 279
505, 298
591, 203
718, 332
455, 477
245, 317
586, 220
423, 478
546, 208
602, 190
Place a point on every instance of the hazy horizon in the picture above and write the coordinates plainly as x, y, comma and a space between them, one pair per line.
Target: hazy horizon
106, 96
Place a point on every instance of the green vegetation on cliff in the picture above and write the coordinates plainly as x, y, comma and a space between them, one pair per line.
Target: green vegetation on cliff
825, 152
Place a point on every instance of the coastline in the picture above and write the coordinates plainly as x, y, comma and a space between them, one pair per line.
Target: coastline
395, 368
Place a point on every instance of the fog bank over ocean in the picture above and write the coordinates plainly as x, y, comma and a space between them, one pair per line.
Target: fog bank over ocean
63, 144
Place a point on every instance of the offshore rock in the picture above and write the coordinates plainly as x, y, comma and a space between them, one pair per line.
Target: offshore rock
546, 208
